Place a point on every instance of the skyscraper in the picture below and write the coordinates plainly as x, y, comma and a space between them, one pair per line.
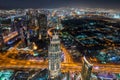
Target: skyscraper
54, 57
1, 42
42, 22
59, 25
86, 69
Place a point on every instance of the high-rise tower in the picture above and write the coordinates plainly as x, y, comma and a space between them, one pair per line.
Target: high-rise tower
54, 57
1, 42
59, 25
42, 22
86, 69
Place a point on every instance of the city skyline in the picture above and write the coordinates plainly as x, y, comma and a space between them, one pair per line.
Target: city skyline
10, 4
59, 40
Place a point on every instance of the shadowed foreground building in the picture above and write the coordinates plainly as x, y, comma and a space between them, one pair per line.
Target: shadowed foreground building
42, 22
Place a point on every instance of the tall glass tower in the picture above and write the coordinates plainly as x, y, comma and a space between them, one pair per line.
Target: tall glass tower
86, 69
54, 58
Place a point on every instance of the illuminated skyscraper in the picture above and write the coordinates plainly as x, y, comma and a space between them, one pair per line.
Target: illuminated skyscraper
59, 25
1, 42
86, 70
54, 57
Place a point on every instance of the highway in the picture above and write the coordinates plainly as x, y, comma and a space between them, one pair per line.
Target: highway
10, 36
67, 65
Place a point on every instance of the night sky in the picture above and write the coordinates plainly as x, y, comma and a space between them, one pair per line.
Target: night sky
9, 4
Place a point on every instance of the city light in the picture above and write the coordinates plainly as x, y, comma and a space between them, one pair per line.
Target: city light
66, 43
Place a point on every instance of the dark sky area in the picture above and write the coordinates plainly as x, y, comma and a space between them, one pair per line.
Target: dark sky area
9, 4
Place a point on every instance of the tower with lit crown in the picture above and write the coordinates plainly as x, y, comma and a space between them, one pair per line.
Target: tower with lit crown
54, 57
86, 69
59, 25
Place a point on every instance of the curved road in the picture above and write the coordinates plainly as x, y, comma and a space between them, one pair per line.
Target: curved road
67, 65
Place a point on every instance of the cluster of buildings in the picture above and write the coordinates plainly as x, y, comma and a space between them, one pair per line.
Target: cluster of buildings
31, 25
24, 24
